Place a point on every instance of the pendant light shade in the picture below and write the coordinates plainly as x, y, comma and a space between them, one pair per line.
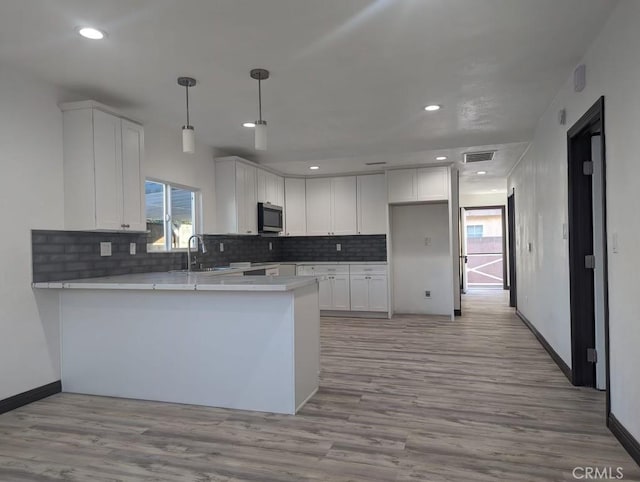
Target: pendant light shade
188, 132
261, 124
261, 136
188, 139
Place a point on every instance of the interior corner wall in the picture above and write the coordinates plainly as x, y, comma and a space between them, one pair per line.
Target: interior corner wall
540, 182
165, 161
32, 197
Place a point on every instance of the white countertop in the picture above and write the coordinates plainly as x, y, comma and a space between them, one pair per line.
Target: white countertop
333, 262
203, 281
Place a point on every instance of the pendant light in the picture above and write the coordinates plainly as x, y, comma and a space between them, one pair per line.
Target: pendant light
261, 125
188, 133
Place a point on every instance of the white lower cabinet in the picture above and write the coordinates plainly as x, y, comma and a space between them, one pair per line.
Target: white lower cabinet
369, 288
350, 287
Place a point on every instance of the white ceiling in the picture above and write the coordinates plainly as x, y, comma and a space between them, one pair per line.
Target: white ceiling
349, 78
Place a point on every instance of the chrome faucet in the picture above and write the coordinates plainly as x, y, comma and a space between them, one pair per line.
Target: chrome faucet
199, 240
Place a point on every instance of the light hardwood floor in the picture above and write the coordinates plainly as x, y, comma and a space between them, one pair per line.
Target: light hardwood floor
414, 398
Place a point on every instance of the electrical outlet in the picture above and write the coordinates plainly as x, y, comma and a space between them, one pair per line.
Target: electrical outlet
221, 247
427, 294
132, 248
565, 231
338, 247
270, 246
105, 248
427, 241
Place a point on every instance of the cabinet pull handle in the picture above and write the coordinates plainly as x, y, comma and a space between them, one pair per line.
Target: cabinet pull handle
125, 225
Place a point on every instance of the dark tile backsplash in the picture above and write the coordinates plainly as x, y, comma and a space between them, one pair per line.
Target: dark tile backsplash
323, 248
63, 255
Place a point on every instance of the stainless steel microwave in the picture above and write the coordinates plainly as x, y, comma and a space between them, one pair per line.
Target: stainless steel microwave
269, 218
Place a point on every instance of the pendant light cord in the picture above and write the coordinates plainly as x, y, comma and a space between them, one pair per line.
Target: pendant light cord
260, 98
187, 88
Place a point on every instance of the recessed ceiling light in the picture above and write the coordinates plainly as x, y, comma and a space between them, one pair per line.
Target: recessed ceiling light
249, 124
92, 33
433, 107
441, 158
314, 168
481, 173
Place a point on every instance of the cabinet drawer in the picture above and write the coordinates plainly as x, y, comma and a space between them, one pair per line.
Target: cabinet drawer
360, 269
331, 269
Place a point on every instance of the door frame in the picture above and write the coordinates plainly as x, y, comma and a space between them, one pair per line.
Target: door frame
582, 371
511, 227
502, 208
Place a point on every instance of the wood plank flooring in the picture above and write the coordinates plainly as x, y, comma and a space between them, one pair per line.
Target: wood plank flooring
413, 398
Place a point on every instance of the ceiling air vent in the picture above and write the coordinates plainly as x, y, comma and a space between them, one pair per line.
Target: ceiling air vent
375, 163
470, 157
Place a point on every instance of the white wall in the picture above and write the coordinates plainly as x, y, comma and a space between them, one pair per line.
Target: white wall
31, 197
165, 161
540, 181
479, 200
417, 267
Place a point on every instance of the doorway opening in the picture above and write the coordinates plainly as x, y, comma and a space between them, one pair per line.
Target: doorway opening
588, 252
484, 248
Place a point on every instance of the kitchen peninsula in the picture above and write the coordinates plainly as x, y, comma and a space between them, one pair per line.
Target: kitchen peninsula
243, 342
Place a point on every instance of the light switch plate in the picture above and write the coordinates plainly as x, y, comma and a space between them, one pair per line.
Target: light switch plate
565, 231
105, 248
338, 247
132, 248
615, 247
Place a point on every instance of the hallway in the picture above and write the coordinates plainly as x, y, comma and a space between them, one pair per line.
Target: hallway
411, 398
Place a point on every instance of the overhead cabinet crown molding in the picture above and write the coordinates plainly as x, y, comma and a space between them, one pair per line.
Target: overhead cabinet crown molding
103, 170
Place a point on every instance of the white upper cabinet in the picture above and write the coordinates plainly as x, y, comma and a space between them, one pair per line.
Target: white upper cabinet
433, 184
344, 213
270, 188
236, 197
372, 204
132, 176
414, 185
401, 184
331, 206
318, 206
295, 207
103, 160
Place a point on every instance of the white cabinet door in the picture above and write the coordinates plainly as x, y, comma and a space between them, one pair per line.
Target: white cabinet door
261, 186
295, 207
279, 186
318, 207
343, 205
401, 185
251, 200
107, 145
340, 292
359, 293
433, 184
378, 293
272, 189
325, 294
246, 199
132, 177
372, 204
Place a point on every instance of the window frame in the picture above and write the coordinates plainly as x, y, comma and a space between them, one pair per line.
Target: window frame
196, 209
476, 234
